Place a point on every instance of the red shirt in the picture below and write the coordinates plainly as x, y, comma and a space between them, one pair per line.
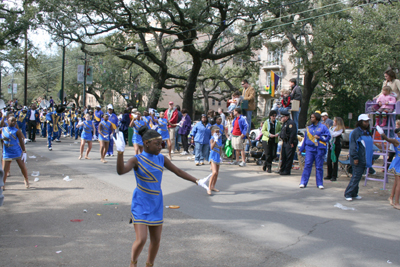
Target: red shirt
236, 129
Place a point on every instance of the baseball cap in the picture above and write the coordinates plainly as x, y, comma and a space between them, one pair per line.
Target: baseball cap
324, 114
110, 106
363, 117
171, 103
98, 106
284, 113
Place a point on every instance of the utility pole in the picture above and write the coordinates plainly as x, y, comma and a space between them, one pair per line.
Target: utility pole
0, 79
62, 74
26, 70
12, 88
84, 82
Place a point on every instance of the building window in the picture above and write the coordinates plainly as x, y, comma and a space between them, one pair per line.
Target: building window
274, 57
219, 103
213, 102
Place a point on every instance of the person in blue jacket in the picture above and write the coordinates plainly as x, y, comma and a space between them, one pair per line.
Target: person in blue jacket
98, 115
239, 132
22, 120
361, 153
52, 119
201, 134
315, 143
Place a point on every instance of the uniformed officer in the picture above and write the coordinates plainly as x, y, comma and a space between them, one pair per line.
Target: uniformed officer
315, 144
289, 137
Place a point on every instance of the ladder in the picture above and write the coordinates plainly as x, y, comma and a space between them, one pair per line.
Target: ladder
389, 131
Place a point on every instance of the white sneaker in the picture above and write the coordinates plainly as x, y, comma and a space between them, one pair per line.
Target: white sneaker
242, 164
358, 197
234, 163
301, 186
172, 152
349, 198
321, 187
65, 135
50, 149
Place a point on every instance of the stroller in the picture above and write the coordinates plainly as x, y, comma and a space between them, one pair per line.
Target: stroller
256, 151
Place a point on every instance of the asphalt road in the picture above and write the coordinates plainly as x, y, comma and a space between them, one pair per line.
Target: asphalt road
257, 219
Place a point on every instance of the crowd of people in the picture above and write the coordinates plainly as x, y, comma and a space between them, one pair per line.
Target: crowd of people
209, 137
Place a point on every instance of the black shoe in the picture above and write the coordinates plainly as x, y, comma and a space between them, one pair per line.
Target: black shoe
264, 168
33, 140
327, 178
284, 173
333, 179
278, 172
269, 170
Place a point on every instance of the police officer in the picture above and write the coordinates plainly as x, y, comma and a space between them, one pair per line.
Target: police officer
289, 137
315, 144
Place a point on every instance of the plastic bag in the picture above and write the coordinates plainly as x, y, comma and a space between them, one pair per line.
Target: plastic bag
228, 148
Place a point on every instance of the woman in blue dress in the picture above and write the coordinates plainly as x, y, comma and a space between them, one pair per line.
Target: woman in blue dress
86, 136
394, 166
104, 136
215, 157
13, 149
136, 123
163, 130
147, 201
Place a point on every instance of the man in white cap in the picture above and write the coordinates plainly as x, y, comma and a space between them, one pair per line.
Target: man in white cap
171, 114
326, 121
361, 152
98, 115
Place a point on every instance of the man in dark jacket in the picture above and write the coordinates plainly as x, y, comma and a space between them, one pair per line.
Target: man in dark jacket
289, 136
361, 152
295, 95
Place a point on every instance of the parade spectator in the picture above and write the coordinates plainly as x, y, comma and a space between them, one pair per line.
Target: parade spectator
201, 137
326, 121
334, 148
33, 120
184, 130
289, 137
392, 82
385, 104
270, 133
51, 101
315, 144
285, 102
177, 135
222, 115
235, 102
295, 95
239, 132
211, 117
172, 117
163, 131
249, 94
361, 153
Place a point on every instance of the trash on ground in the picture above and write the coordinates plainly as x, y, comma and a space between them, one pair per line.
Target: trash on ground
66, 178
340, 206
36, 179
98, 214
84, 211
389, 262
172, 207
76, 220
111, 204
35, 173
16, 230
36, 246
32, 157
105, 199
58, 252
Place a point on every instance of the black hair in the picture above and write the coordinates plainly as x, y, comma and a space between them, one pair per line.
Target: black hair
184, 111
245, 81
238, 110
293, 80
397, 130
272, 113
317, 116
178, 107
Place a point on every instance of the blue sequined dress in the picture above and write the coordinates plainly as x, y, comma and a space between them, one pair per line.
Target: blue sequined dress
11, 148
395, 165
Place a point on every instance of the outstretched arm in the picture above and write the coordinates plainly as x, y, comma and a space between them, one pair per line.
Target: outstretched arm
168, 164
390, 140
122, 167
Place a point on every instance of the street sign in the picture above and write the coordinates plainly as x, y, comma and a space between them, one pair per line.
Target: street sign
14, 88
81, 73
350, 116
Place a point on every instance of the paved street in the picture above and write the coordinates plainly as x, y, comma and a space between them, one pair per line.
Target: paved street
257, 219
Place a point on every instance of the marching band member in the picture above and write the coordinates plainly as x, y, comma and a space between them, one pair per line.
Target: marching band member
87, 129
98, 115
53, 130
104, 136
113, 119
43, 122
136, 123
22, 120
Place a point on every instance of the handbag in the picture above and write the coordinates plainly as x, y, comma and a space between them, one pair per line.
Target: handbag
245, 104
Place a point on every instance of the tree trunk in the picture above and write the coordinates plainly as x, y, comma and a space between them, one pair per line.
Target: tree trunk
308, 90
155, 97
205, 103
190, 88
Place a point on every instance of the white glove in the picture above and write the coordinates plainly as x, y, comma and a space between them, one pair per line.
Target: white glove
120, 142
216, 137
379, 129
117, 130
23, 158
134, 116
202, 182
